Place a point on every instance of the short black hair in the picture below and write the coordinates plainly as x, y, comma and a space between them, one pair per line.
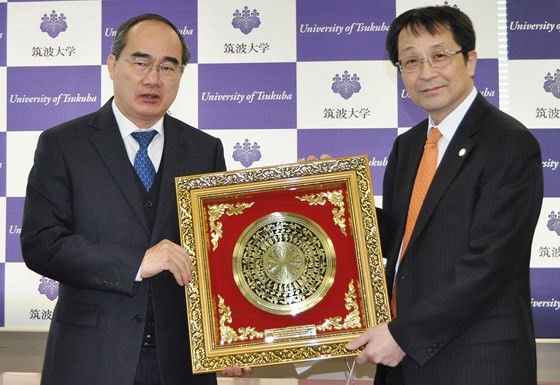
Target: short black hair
122, 32
432, 19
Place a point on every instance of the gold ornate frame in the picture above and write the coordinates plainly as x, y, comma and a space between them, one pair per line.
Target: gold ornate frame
215, 208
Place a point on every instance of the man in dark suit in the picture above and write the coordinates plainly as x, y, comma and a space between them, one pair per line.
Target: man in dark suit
460, 283
109, 236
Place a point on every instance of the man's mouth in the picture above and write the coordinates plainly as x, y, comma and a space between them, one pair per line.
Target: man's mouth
149, 96
431, 89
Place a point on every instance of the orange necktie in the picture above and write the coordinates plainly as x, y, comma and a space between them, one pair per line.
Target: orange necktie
424, 176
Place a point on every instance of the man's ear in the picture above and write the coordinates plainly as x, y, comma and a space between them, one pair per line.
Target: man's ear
111, 61
472, 57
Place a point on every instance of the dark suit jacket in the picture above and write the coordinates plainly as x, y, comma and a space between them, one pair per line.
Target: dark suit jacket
464, 314
85, 226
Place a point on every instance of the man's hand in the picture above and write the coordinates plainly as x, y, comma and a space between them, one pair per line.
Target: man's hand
380, 347
169, 256
313, 157
236, 371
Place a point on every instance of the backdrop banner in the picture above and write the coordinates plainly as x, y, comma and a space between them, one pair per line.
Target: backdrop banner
275, 81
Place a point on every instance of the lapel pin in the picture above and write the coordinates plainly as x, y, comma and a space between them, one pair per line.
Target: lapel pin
462, 152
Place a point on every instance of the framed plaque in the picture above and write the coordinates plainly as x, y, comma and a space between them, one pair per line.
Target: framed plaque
287, 259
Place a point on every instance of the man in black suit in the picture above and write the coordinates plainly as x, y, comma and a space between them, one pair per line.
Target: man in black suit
109, 236
460, 283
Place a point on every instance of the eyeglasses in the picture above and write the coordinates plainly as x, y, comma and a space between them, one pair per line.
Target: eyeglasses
437, 60
143, 66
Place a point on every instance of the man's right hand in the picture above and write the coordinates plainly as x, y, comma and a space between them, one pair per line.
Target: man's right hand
167, 256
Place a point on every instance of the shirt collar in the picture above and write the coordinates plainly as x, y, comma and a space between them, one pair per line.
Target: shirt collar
449, 125
126, 127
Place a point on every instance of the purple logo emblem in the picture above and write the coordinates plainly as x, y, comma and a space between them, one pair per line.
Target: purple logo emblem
554, 222
245, 20
552, 84
446, 4
246, 154
53, 24
49, 288
346, 86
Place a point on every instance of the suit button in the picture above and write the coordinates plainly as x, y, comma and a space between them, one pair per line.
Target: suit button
149, 204
138, 318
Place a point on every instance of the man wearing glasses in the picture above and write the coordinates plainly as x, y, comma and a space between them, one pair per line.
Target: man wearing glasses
100, 217
461, 198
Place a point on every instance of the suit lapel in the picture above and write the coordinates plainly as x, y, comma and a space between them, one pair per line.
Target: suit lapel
173, 164
109, 144
455, 156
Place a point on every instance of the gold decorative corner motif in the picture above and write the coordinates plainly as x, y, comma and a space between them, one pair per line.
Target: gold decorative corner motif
352, 319
227, 333
336, 198
215, 212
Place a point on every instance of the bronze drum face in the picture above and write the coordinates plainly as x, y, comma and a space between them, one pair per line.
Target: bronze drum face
284, 263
